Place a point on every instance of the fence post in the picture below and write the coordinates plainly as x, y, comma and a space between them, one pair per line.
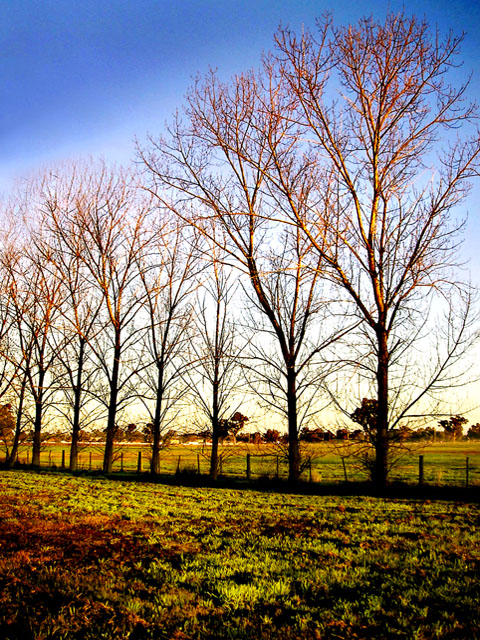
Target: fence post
249, 473
121, 461
139, 462
178, 464
420, 469
309, 469
467, 471
198, 463
63, 458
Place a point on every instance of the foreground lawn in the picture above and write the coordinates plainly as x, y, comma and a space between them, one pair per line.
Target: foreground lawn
90, 558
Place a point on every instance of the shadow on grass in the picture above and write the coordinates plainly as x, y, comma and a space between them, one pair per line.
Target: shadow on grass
189, 478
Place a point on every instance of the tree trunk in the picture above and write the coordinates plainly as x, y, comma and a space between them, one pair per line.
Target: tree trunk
215, 432
293, 444
112, 409
76, 409
380, 469
155, 462
37, 427
18, 426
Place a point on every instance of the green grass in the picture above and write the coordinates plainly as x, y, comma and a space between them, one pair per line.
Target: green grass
92, 558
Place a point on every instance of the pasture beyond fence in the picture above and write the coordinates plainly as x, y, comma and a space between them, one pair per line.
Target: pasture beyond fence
453, 464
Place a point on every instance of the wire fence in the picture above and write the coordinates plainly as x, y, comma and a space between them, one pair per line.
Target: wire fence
451, 467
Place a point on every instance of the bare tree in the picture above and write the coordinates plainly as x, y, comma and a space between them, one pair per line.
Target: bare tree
15, 358
78, 312
35, 297
292, 383
380, 217
169, 280
102, 216
77, 369
212, 373
219, 163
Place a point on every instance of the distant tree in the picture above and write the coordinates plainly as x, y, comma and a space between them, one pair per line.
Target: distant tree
367, 415
256, 438
231, 426
426, 433
314, 435
7, 426
474, 432
453, 427
131, 432
356, 434
271, 435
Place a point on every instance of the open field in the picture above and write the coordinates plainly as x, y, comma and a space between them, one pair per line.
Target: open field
84, 557
444, 463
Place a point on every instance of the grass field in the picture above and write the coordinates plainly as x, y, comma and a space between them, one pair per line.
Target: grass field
444, 463
84, 557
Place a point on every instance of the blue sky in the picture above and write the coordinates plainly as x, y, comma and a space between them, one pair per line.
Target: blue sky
85, 77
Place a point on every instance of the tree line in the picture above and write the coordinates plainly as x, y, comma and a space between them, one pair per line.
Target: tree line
292, 235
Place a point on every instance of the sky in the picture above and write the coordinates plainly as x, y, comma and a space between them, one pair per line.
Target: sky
85, 78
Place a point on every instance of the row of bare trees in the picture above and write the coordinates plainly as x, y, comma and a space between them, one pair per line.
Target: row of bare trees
338, 166
297, 220
113, 306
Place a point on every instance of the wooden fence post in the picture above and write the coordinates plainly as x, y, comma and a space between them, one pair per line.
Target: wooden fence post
63, 458
121, 461
178, 464
467, 471
420, 470
139, 462
249, 472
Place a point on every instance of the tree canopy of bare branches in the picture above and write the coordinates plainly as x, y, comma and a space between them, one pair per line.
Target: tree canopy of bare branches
394, 153
354, 136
